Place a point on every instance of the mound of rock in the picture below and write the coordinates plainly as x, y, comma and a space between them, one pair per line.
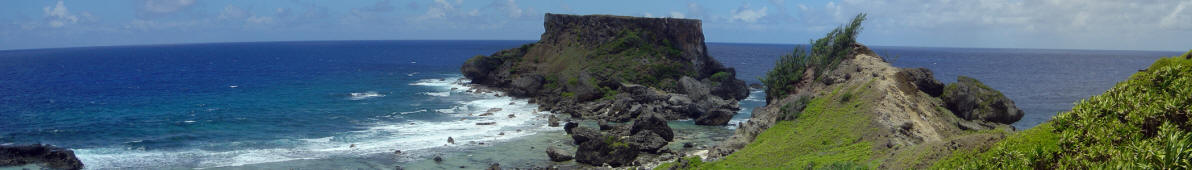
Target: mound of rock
615, 68
972, 100
45, 155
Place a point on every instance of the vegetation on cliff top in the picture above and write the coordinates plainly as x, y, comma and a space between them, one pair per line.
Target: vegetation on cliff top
825, 54
828, 134
1143, 123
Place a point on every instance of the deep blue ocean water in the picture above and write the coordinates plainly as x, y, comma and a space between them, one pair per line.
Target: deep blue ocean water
229, 104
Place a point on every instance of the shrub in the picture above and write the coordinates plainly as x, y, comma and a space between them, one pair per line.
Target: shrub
720, 76
1141, 123
824, 55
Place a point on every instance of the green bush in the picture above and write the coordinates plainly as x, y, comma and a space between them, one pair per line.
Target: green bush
1141, 123
720, 76
824, 55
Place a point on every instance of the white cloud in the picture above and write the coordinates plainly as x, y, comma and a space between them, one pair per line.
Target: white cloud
259, 20
677, 14
233, 12
59, 16
746, 14
1179, 18
165, 6
438, 10
1110, 24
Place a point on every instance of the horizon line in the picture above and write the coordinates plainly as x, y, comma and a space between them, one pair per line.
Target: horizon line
722, 42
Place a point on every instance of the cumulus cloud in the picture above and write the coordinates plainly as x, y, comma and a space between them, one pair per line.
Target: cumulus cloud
747, 14
165, 6
59, 15
439, 10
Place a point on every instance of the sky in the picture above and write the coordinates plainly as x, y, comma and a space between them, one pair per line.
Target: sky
1047, 24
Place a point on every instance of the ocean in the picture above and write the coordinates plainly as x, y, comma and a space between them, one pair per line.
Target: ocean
351, 104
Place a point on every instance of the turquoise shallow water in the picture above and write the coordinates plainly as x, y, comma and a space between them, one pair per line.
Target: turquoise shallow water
278, 105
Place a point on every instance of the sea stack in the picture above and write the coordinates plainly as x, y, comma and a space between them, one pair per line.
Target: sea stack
615, 68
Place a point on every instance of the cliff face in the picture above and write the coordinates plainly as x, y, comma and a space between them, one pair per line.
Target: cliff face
686, 35
616, 68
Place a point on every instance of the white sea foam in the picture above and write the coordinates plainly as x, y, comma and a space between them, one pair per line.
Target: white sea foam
439, 94
380, 137
364, 95
416, 111
756, 95
744, 114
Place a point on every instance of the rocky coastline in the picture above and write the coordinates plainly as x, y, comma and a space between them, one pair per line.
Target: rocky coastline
45, 156
631, 74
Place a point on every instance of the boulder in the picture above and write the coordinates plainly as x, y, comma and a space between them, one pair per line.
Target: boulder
693, 88
46, 155
923, 80
558, 155
583, 134
606, 150
528, 85
570, 126
715, 117
646, 141
728, 87
971, 100
653, 124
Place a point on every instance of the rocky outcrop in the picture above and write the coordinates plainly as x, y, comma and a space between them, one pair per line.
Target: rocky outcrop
903, 110
558, 155
922, 79
615, 68
972, 100
618, 145
44, 155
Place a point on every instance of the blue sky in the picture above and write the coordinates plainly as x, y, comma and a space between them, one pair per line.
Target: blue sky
1066, 24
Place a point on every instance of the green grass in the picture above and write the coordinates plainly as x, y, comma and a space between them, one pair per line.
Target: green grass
827, 134
1141, 123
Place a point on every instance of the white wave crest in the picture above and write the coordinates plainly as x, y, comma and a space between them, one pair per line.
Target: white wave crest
381, 137
364, 95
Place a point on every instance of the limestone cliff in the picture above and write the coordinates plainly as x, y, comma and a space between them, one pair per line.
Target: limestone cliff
616, 68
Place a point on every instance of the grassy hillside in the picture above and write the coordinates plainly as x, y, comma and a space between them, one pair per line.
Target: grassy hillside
1141, 123
827, 134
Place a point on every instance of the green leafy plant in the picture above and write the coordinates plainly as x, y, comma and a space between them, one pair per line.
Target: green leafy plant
824, 55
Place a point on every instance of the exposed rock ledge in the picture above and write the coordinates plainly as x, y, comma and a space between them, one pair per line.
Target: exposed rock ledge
44, 155
615, 68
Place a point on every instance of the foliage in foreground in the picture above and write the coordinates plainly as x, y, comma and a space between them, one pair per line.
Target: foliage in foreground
1141, 123
825, 54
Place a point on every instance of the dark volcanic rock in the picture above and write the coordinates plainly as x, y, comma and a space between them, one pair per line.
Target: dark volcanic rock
46, 155
715, 117
558, 155
569, 127
607, 150
972, 100
923, 80
646, 141
653, 124
588, 87
583, 134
